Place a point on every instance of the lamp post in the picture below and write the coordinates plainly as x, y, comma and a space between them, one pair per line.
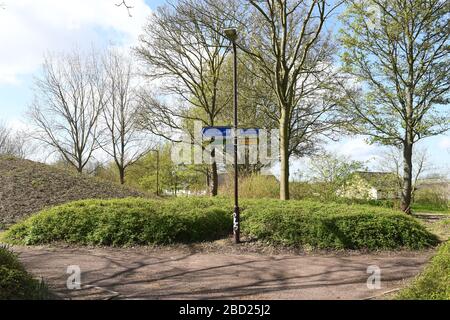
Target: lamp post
231, 34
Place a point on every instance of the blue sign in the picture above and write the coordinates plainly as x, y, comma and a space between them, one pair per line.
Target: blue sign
211, 132
226, 132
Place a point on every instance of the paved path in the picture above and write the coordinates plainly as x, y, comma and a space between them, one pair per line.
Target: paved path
180, 273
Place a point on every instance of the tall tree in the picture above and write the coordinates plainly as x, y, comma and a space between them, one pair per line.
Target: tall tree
68, 102
291, 52
188, 58
122, 139
399, 51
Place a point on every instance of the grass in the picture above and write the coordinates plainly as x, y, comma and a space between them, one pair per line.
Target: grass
419, 207
136, 221
15, 282
441, 229
434, 282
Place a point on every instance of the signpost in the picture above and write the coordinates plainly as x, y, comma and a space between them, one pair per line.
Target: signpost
247, 136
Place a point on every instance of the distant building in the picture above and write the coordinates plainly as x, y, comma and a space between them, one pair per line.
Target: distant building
371, 185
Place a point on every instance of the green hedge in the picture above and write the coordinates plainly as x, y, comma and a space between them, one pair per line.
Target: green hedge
124, 222
15, 282
295, 223
335, 226
434, 282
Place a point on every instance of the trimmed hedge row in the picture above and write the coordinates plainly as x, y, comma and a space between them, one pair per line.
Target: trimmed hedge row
122, 222
136, 221
328, 229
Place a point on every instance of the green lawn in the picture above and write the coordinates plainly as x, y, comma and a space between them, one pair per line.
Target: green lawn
418, 208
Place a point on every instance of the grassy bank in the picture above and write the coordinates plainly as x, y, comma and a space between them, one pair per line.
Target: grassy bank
434, 282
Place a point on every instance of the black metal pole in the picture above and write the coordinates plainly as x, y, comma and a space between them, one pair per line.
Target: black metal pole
236, 214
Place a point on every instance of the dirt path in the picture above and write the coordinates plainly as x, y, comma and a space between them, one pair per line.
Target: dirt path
183, 273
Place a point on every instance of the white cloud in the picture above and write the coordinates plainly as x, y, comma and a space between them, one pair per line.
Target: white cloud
357, 149
30, 28
444, 143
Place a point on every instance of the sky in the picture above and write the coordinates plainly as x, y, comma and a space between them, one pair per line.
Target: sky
31, 28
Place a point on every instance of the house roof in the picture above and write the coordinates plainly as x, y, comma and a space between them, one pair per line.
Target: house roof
379, 180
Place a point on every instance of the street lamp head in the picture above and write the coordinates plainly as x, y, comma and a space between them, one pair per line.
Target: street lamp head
231, 34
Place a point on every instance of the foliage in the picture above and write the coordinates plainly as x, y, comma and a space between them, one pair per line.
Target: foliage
252, 186
136, 221
334, 169
434, 282
398, 53
441, 228
15, 282
336, 226
432, 199
130, 221
173, 178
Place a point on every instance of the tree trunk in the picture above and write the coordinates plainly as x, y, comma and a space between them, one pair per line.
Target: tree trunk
284, 157
79, 167
122, 175
407, 177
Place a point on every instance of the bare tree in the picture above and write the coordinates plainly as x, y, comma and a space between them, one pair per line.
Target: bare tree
124, 142
126, 5
68, 102
291, 53
5, 139
180, 50
392, 161
14, 143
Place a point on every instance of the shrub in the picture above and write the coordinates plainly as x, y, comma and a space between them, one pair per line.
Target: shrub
125, 222
434, 282
297, 223
334, 226
433, 199
15, 282
253, 186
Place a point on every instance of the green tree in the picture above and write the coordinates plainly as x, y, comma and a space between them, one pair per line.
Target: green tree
178, 48
399, 52
333, 169
291, 53
143, 174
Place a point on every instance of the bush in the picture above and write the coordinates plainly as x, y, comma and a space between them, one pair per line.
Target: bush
433, 199
125, 222
434, 282
254, 186
15, 282
297, 223
334, 226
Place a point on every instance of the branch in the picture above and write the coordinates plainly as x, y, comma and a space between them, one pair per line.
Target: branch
123, 3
